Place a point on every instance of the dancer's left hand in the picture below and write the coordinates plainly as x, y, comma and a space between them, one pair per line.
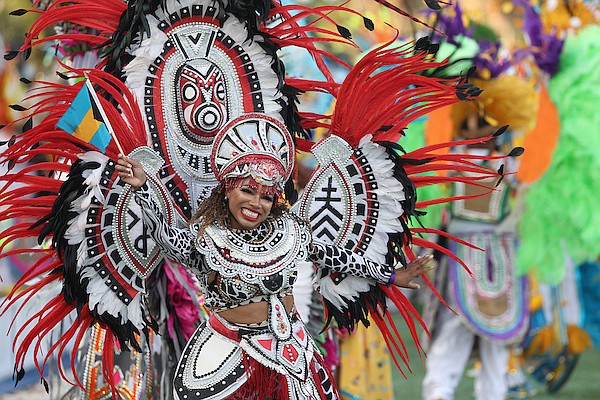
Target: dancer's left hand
413, 269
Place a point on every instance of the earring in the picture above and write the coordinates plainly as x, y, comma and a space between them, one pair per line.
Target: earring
226, 198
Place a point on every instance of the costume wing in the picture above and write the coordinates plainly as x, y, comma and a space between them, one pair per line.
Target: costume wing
359, 199
354, 199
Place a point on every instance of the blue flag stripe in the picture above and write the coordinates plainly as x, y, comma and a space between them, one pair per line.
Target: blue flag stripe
76, 112
101, 138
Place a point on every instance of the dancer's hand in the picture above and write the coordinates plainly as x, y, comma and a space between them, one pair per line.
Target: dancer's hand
131, 171
413, 270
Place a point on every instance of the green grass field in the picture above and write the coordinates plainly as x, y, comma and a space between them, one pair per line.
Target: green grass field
583, 384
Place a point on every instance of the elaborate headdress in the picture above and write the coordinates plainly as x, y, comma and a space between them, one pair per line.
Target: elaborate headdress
256, 146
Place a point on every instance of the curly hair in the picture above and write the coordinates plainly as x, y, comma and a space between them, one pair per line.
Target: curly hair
216, 209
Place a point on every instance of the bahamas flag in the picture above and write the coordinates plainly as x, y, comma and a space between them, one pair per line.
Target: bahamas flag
83, 119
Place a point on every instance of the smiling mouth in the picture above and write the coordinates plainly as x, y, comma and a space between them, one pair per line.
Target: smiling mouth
249, 214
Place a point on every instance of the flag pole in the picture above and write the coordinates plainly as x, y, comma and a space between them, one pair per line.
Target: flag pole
103, 114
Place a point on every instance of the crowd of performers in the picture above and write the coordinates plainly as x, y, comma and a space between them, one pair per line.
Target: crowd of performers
175, 242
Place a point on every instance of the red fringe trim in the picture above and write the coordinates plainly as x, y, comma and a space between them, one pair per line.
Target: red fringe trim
266, 383
262, 383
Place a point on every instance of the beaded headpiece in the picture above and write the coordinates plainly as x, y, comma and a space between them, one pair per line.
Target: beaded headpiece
255, 146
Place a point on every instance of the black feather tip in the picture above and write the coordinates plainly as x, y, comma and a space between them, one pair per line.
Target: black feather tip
46, 386
433, 48
501, 173
28, 125
19, 12
500, 131
27, 54
516, 152
20, 375
433, 4
8, 142
471, 72
422, 44
345, 32
63, 76
18, 107
10, 55
501, 170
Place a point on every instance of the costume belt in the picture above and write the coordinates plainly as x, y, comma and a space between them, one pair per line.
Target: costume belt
284, 346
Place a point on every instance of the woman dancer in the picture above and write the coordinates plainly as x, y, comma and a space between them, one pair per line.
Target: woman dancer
245, 245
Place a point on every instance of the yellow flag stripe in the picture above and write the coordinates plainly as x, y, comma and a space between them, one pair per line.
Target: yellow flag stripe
88, 127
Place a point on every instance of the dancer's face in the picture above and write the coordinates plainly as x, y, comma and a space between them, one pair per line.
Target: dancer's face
249, 205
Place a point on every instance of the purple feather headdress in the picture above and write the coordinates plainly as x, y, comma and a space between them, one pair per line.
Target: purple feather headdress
544, 47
